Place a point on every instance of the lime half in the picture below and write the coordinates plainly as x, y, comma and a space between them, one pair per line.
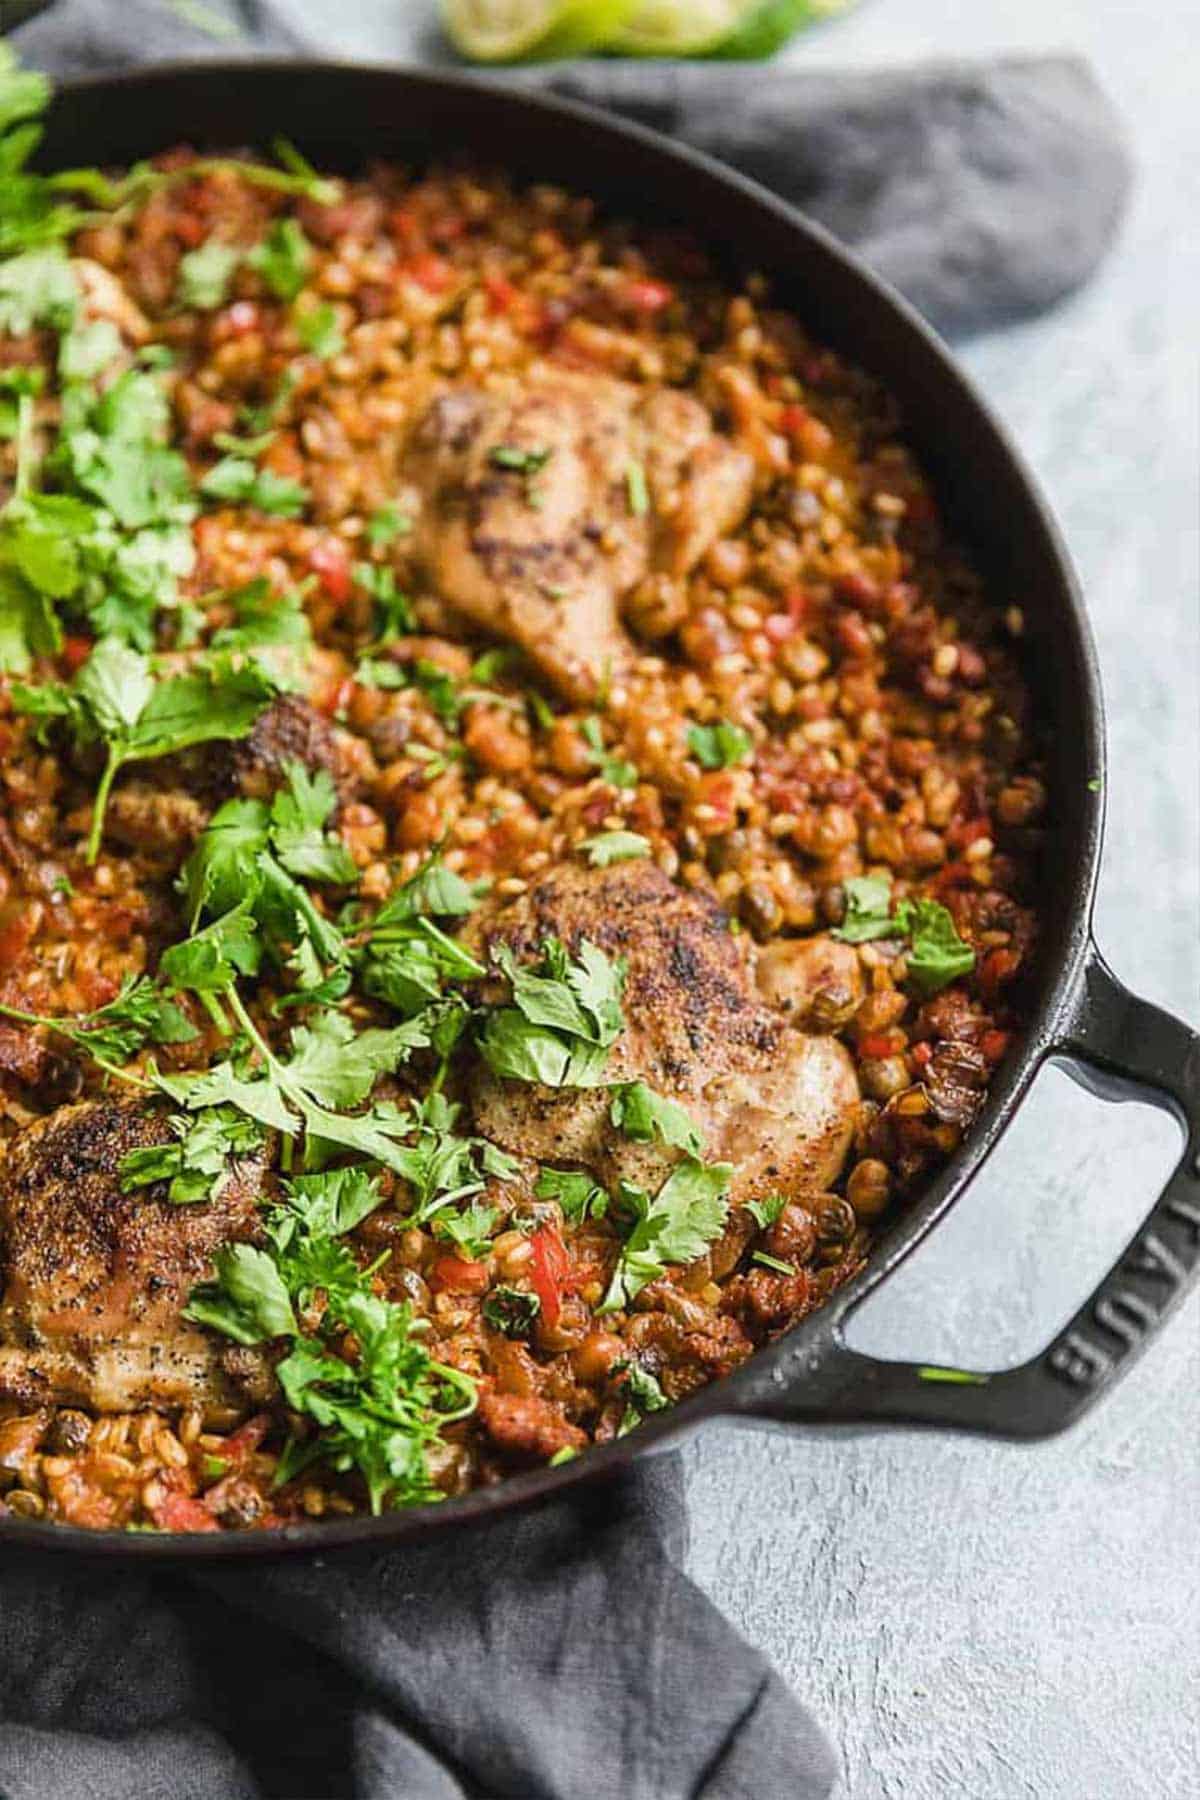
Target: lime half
679, 27
748, 29
502, 31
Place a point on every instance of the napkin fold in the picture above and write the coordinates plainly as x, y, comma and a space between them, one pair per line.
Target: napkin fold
551, 1654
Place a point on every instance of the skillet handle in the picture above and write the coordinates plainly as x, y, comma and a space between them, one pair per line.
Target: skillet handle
1119, 1048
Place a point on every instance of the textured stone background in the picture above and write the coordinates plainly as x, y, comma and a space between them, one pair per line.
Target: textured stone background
982, 1621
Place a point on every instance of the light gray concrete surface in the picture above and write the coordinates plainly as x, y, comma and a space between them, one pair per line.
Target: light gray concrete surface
989, 1622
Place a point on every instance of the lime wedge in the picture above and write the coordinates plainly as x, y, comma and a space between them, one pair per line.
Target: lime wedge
502, 31
769, 25
749, 29
680, 27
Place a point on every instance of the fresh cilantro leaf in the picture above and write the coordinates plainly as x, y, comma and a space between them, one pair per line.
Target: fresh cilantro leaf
87, 350
337, 1066
868, 910
248, 1300
139, 1015
388, 523
269, 626
196, 1163
318, 330
114, 449
938, 955
239, 481
565, 1017
642, 1115
524, 462
205, 275
115, 698
394, 614
299, 815
283, 259
764, 1212
469, 1230
434, 889
685, 1216
643, 1395
613, 769
251, 447
210, 961
719, 746
575, 1191
37, 288
223, 870
609, 847
511, 1311
334, 1202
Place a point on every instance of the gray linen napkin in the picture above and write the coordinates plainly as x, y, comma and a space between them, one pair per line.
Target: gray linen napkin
983, 191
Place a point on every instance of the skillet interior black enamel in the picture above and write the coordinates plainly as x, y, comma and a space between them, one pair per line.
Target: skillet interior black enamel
343, 117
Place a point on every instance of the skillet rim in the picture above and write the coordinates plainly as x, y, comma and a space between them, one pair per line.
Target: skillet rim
729, 1397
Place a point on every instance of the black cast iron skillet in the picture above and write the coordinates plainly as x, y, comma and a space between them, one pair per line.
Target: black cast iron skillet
1116, 1045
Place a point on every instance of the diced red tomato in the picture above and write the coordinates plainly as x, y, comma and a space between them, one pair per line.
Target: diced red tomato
648, 296
458, 1276
501, 293
329, 560
550, 1271
921, 1054
431, 272
994, 1044
75, 652
404, 223
880, 1043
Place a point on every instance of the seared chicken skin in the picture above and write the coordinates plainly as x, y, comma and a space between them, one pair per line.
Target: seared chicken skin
777, 1104
544, 502
93, 1281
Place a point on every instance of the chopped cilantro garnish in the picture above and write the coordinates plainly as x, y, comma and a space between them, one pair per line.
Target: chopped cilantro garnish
643, 1395
719, 746
643, 1115
564, 1017
764, 1212
636, 489
115, 700
576, 1192
318, 330
613, 769
205, 275
511, 1311
936, 954
283, 259
775, 1263
388, 523
237, 480
609, 847
675, 1226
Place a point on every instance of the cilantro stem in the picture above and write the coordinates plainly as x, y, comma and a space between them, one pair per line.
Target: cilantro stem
212, 1007
116, 756
25, 448
79, 1038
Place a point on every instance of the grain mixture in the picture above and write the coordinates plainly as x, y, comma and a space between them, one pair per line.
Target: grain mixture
522, 817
